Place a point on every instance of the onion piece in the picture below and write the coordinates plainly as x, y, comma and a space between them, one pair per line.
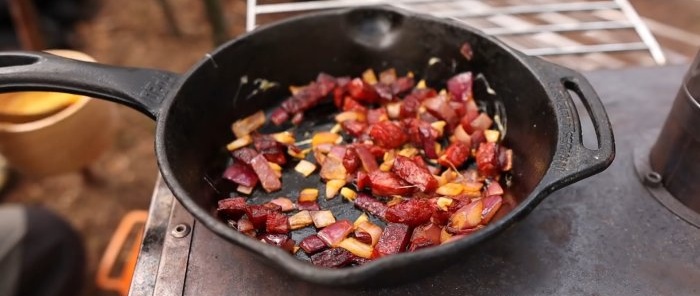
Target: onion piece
360, 219
348, 194
305, 168
333, 234
300, 220
333, 187
450, 189
308, 195
356, 247
285, 203
322, 218
239, 143
374, 230
245, 126
492, 136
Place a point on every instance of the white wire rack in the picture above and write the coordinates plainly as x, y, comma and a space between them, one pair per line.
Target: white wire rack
603, 33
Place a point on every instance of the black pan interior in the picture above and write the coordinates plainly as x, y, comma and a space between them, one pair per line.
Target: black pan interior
197, 125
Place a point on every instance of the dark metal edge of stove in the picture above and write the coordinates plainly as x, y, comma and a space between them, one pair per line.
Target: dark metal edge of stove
144, 280
173, 266
643, 168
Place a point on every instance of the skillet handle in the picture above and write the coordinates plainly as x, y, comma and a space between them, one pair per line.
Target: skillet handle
572, 160
140, 89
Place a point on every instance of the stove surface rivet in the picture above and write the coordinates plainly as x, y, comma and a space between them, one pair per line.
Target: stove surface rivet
180, 230
653, 179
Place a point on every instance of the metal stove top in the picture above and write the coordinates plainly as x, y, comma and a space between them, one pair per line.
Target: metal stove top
605, 235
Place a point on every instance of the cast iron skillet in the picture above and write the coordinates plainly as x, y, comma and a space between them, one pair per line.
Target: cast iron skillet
194, 112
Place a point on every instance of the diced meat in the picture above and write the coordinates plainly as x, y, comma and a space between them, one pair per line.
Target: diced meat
272, 150
487, 160
371, 205
388, 135
231, 208
312, 244
257, 215
455, 155
276, 222
393, 240
414, 173
413, 212
244, 155
268, 178
353, 127
362, 91
388, 184
333, 258
350, 160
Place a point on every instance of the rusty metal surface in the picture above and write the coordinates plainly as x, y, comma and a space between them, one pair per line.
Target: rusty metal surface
603, 236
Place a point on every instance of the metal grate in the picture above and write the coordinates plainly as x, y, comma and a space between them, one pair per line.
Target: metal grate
580, 34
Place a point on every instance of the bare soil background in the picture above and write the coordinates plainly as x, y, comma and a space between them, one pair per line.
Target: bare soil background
135, 33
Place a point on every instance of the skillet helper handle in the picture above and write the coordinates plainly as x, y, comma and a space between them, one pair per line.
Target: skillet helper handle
140, 89
573, 161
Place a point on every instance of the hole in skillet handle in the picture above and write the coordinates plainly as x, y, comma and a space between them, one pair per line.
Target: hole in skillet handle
588, 130
18, 60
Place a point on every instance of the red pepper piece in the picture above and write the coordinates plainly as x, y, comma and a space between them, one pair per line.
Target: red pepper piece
268, 178
336, 257
414, 173
388, 184
276, 222
487, 160
388, 134
455, 155
312, 244
231, 208
241, 174
371, 205
413, 212
393, 240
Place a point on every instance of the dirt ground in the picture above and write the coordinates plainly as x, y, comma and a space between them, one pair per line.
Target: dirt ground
135, 33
